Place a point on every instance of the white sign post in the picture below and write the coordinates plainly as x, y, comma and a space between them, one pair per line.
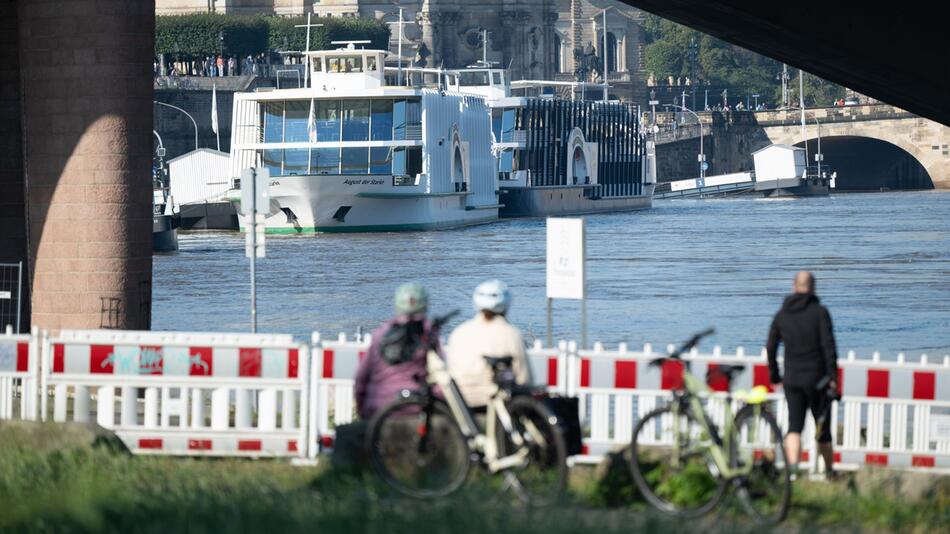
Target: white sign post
566, 269
254, 206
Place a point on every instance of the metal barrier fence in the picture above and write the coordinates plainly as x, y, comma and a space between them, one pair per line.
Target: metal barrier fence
11, 293
265, 395
19, 373
184, 394
891, 413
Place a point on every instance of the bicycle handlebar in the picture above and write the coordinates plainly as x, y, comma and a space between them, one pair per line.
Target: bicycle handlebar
693, 341
439, 321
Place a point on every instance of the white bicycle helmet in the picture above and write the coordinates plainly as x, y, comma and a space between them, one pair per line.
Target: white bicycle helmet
493, 296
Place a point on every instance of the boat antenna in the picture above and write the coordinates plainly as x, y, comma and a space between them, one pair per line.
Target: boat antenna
350, 44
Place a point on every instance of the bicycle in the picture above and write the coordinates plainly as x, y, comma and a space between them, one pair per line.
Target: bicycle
424, 446
683, 464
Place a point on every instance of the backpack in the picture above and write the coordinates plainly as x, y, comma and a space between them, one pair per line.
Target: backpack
401, 342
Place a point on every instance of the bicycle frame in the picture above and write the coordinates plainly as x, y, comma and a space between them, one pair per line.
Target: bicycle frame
485, 443
690, 400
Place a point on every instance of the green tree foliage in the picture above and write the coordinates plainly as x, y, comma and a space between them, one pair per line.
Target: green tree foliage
283, 35
193, 36
720, 65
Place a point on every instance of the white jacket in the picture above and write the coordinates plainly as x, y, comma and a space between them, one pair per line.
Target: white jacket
470, 343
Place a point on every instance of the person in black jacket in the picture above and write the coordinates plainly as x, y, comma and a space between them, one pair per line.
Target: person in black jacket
804, 326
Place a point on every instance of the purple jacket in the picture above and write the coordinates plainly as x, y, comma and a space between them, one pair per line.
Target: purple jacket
377, 382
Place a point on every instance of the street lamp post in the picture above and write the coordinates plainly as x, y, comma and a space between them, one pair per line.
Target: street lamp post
603, 14
186, 113
702, 155
693, 53
756, 97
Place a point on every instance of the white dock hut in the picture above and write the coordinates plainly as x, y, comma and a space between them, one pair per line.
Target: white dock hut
779, 162
201, 175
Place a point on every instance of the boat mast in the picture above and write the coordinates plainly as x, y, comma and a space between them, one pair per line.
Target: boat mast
399, 46
306, 74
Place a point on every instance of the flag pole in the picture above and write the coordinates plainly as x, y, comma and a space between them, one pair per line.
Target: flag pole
214, 114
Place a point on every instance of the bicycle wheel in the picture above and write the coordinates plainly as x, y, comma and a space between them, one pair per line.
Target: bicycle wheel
542, 475
416, 446
681, 480
766, 491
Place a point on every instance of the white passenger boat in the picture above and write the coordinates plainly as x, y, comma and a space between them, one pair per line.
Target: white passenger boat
348, 152
560, 156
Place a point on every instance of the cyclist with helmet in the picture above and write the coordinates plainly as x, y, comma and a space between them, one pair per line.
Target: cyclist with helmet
396, 358
487, 334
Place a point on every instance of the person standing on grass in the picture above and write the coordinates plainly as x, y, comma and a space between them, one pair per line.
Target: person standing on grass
803, 325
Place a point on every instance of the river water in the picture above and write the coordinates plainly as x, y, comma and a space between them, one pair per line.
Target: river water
881, 260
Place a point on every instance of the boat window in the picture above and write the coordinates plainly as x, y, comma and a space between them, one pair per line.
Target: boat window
496, 78
450, 79
345, 64
325, 161
407, 162
506, 162
414, 160
270, 159
355, 160
296, 118
327, 117
475, 77
496, 123
295, 161
399, 120
381, 121
274, 123
355, 120
414, 120
380, 160
508, 126
317, 63
399, 161
370, 63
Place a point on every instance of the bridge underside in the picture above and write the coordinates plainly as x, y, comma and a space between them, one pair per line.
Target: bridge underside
896, 54
866, 164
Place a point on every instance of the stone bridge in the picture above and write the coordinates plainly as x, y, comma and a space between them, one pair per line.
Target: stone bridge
870, 146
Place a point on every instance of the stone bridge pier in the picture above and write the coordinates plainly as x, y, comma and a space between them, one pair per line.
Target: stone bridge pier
75, 158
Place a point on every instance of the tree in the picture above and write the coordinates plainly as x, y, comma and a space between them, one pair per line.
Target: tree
194, 36
721, 65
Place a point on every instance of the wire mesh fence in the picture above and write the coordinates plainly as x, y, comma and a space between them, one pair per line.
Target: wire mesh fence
11, 293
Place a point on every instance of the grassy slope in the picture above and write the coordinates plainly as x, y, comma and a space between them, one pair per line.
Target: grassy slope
79, 489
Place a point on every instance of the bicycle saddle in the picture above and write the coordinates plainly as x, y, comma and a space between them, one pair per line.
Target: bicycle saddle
727, 372
496, 362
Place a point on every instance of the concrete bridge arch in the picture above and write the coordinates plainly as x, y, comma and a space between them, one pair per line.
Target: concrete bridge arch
892, 148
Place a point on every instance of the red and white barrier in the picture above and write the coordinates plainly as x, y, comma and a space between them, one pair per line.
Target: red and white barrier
332, 401
265, 395
19, 376
891, 413
177, 392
